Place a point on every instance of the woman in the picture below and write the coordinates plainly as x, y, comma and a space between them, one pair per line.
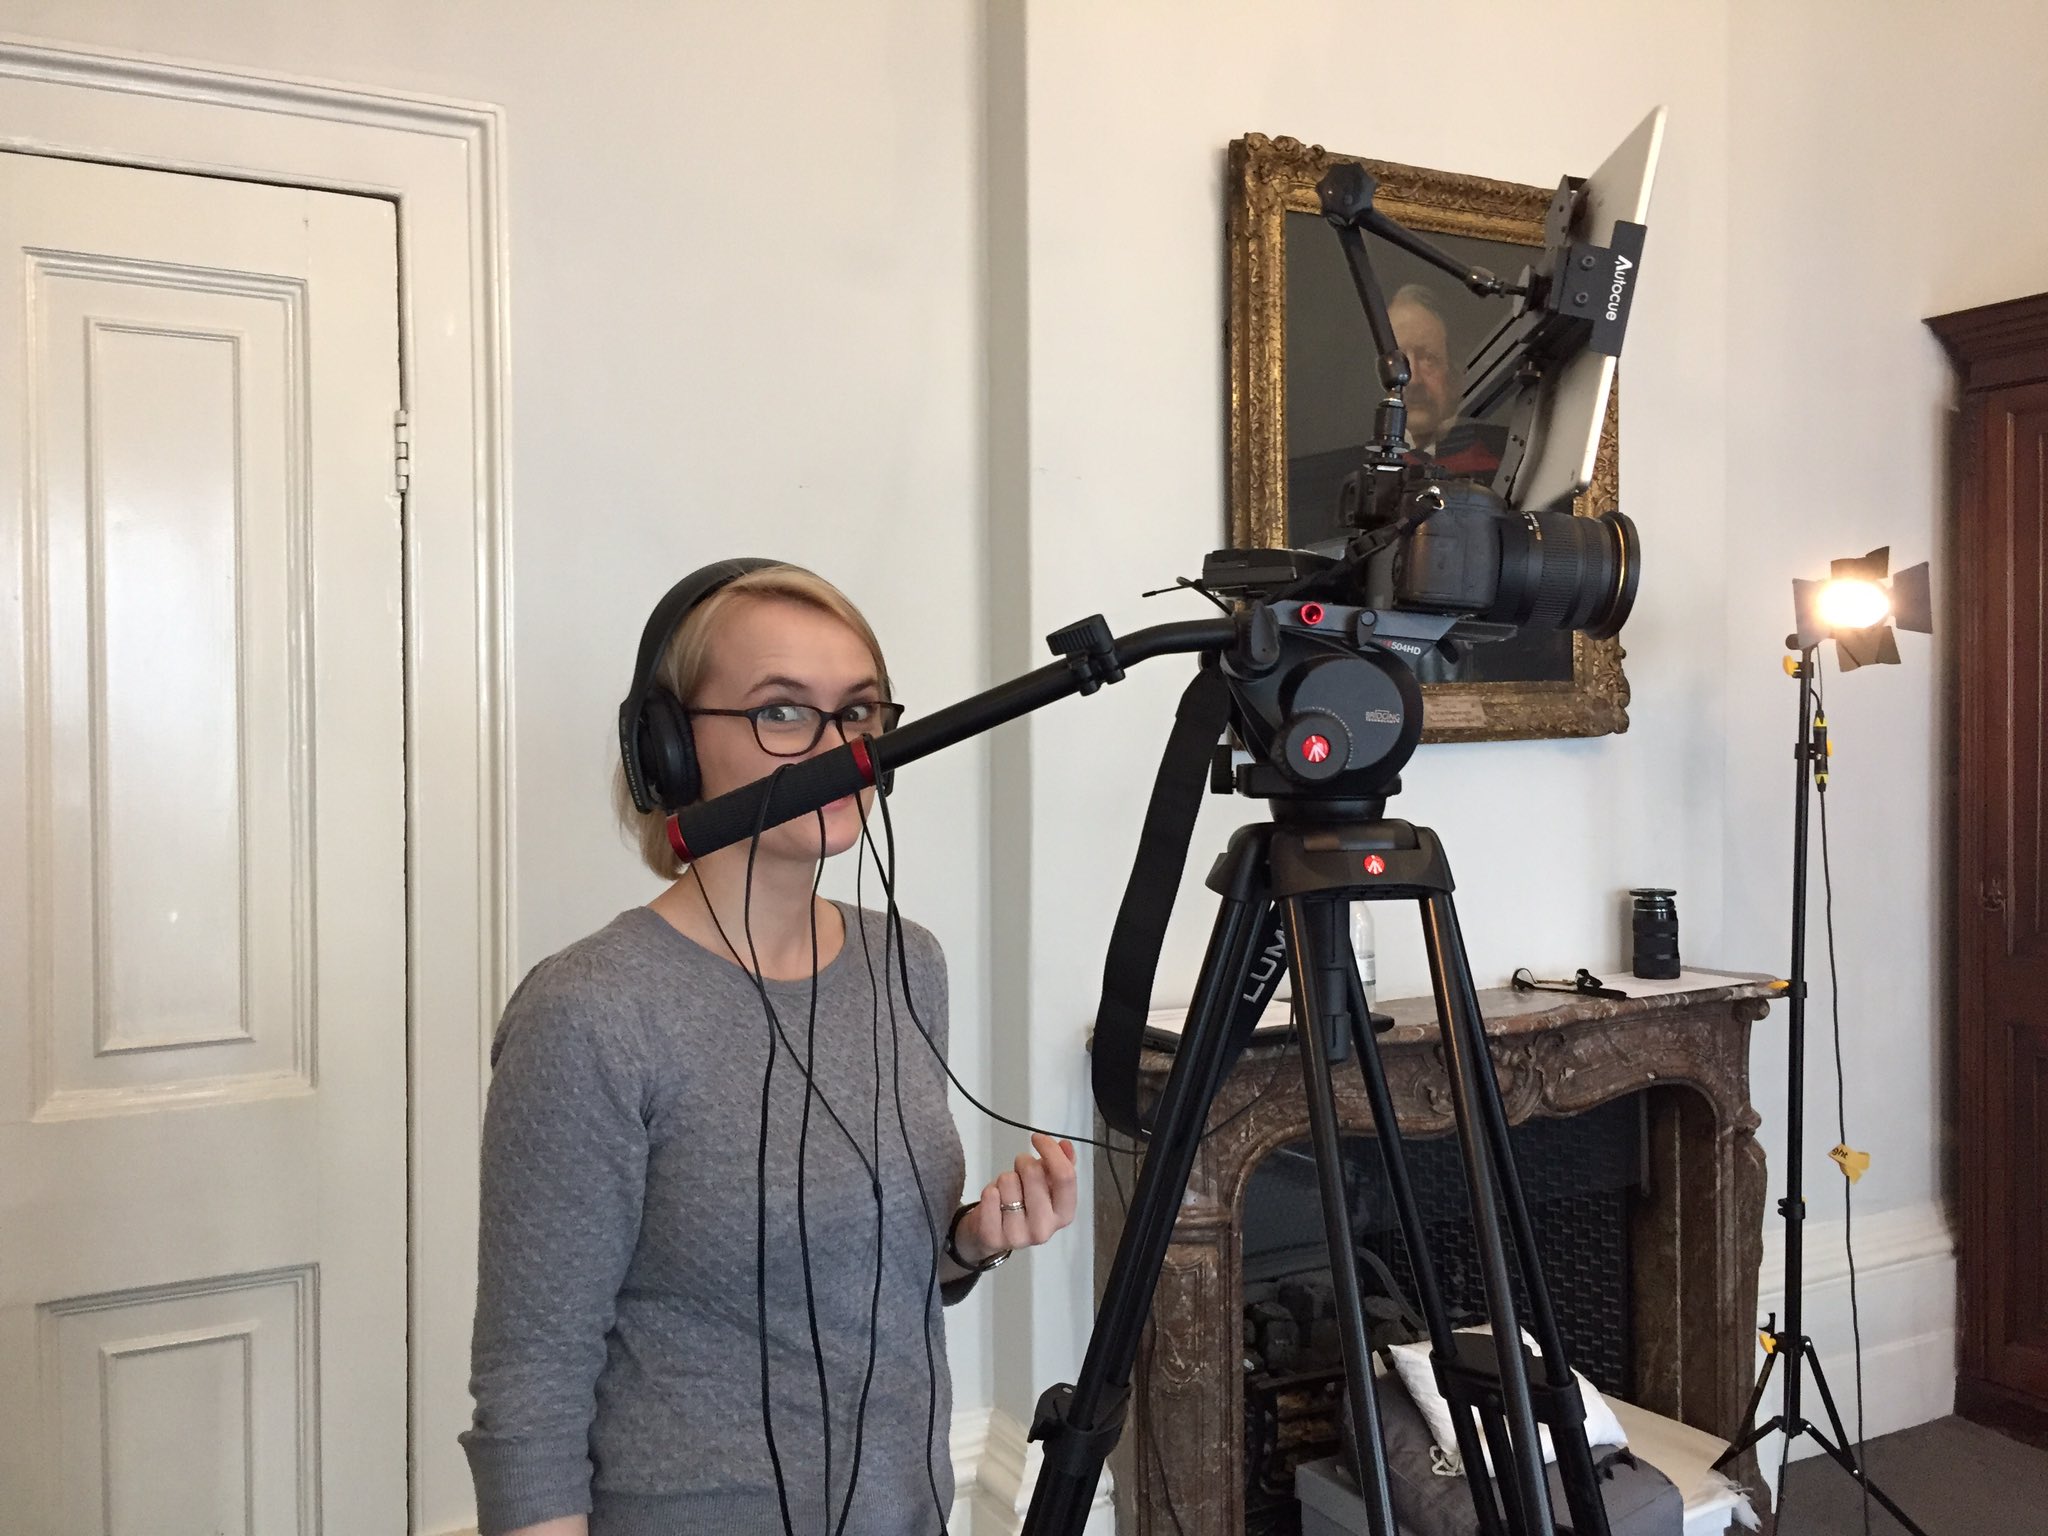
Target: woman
720, 1180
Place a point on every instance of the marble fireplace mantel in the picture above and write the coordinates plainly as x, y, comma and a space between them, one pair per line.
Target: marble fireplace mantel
1696, 1238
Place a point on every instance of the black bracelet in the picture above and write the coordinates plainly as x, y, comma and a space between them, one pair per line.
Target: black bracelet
953, 1247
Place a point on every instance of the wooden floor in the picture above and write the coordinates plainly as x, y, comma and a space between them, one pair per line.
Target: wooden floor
1953, 1477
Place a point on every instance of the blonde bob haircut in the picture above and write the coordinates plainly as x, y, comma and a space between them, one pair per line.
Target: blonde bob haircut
682, 668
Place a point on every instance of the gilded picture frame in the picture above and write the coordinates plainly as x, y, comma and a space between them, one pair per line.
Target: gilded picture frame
1498, 224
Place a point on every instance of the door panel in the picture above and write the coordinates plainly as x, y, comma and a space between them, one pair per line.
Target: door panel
202, 985
2005, 758
170, 786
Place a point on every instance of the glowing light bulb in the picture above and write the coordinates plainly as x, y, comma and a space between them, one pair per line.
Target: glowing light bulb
1852, 604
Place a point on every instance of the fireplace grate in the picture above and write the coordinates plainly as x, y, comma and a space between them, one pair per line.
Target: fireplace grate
1579, 1174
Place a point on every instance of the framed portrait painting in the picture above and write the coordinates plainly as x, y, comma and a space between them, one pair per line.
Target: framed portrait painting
1304, 383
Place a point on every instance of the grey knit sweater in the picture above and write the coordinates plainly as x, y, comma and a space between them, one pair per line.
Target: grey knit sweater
617, 1357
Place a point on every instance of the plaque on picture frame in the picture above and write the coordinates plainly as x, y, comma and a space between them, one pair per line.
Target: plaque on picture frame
1303, 385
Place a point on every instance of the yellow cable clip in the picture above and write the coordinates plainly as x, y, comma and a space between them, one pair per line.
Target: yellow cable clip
1853, 1164
1768, 1340
1791, 666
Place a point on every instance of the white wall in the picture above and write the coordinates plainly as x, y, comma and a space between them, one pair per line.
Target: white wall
746, 318
1886, 159
1130, 108
1892, 184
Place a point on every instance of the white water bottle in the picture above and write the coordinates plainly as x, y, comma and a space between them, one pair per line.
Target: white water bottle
1362, 950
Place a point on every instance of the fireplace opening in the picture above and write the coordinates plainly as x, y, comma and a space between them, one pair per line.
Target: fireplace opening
1581, 1175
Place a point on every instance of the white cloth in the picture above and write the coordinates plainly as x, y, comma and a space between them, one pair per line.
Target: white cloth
1411, 1364
1713, 1505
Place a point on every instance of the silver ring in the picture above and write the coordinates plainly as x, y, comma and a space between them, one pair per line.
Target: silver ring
1018, 1206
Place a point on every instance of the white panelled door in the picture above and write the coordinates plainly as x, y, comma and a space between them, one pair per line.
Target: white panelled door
202, 859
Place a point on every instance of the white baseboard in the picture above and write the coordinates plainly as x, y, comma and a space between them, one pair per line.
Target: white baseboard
1906, 1288
999, 1482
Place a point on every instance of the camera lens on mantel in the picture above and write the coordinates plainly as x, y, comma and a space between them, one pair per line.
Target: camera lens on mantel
1656, 933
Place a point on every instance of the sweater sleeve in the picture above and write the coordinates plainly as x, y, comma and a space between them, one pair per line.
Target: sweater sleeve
929, 985
563, 1180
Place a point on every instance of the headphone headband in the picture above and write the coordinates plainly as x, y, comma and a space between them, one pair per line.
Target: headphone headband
674, 760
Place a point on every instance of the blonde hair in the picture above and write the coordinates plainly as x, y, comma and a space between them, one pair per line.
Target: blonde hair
682, 668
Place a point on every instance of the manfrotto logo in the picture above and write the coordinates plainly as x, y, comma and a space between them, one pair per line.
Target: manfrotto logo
1622, 267
1383, 717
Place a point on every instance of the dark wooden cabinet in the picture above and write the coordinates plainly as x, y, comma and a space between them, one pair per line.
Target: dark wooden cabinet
1998, 546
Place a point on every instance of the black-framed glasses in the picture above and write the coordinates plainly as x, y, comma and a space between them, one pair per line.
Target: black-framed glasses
790, 730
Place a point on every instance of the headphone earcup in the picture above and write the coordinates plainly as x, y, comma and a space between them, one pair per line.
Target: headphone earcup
668, 755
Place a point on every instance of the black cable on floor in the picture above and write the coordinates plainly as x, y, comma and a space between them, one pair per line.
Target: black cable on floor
1841, 1113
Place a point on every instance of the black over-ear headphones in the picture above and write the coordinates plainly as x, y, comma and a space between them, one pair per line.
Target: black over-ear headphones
654, 727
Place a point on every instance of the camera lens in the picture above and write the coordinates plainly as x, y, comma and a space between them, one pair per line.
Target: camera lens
1655, 921
1558, 571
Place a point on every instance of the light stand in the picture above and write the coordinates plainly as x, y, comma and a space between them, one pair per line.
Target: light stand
1866, 638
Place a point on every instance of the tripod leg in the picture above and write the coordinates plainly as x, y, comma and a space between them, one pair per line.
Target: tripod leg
1081, 1424
1827, 1398
1313, 926
1501, 1449
1394, 1154
1851, 1461
1531, 1489
1568, 1427
1752, 1431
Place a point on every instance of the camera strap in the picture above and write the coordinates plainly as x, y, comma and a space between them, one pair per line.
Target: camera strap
1133, 960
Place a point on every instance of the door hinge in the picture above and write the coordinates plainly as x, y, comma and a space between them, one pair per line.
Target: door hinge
401, 452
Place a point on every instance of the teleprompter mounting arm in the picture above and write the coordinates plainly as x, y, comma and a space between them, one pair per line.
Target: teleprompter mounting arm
1576, 296
1346, 193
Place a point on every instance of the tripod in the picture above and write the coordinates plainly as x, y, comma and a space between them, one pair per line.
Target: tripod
1299, 874
1791, 1343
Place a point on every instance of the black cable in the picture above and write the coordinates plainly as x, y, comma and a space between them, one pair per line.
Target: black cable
1272, 1077
892, 934
871, 1166
1151, 1334
761, 1196
889, 888
776, 1033
860, 1416
775, 1019
1841, 1110
803, 1136
894, 918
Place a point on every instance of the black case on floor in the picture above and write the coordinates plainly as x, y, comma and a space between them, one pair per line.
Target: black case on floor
1641, 1501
